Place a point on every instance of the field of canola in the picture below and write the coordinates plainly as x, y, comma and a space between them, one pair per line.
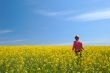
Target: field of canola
54, 59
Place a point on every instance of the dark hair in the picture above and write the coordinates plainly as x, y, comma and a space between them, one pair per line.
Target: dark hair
76, 37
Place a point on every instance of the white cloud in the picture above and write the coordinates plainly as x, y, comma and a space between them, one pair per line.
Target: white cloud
53, 13
98, 42
92, 16
5, 31
17, 41
62, 44
12, 41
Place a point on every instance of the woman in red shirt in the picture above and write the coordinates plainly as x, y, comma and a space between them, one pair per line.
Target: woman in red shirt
77, 46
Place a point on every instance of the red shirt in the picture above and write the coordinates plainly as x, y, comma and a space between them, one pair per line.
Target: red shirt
77, 45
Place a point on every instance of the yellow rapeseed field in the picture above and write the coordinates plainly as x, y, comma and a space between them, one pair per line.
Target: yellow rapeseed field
54, 59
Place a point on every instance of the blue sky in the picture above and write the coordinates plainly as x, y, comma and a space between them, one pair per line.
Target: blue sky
54, 22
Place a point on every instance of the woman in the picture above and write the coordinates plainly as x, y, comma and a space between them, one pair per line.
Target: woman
77, 46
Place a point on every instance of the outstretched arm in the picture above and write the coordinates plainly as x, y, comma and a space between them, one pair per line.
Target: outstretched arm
73, 47
82, 46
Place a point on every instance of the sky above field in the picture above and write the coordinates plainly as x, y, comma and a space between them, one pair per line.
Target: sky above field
54, 22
